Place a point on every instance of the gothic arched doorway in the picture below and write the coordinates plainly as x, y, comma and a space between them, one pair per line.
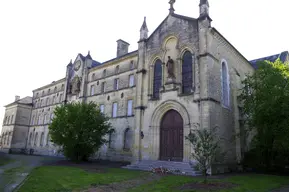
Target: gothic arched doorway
171, 137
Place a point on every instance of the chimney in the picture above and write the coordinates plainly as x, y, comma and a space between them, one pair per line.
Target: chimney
122, 48
17, 98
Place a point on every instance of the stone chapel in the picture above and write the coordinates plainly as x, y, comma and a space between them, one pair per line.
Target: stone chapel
185, 75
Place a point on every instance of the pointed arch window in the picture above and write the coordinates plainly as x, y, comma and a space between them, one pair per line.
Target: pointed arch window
157, 82
225, 85
187, 72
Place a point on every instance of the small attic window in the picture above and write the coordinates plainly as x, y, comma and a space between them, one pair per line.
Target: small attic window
93, 77
42, 93
55, 89
117, 70
62, 87
48, 91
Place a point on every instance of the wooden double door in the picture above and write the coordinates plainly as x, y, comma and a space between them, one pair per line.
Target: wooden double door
171, 137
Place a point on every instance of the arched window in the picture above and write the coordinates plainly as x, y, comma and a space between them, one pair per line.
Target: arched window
47, 139
157, 82
7, 138
104, 73
225, 85
112, 138
47, 101
41, 139
92, 89
127, 139
8, 120
116, 69
30, 139
187, 72
35, 139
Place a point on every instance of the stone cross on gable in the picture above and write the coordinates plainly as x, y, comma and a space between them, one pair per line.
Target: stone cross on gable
172, 2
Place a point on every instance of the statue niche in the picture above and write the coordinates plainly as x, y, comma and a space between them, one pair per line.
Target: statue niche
170, 68
74, 87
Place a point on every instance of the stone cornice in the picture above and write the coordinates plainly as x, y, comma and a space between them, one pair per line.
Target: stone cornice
50, 85
112, 75
45, 95
114, 61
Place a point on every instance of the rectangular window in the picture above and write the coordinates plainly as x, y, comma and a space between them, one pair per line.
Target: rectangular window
39, 120
60, 98
92, 90
114, 110
53, 100
102, 108
44, 120
116, 83
129, 108
51, 117
33, 120
12, 119
131, 80
102, 87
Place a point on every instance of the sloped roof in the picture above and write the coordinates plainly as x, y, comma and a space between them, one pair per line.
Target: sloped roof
26, 101
283, 56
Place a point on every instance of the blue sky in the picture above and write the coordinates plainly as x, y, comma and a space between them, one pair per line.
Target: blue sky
38, 38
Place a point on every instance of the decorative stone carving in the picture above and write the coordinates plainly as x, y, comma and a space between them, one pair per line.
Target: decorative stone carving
75, 85
170, 68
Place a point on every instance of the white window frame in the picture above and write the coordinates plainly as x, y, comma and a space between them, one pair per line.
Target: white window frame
114, 109
101, 108
92, 90
130, 107
116, 84
131, 80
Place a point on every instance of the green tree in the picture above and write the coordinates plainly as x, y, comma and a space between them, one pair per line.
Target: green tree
206, 149
79, 129
265, 99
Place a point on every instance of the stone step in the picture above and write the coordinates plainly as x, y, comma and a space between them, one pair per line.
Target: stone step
180, 167
190, 173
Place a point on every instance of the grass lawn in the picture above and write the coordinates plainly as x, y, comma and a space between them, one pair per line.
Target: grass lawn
58, 178
254, 183
61, 178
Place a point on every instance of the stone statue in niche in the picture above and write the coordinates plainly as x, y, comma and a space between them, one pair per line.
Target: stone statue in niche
170, 68
76, 83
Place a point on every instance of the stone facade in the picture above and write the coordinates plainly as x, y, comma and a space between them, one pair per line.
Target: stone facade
135, 91
16, 123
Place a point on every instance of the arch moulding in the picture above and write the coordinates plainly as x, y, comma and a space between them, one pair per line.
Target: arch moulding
164, 107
